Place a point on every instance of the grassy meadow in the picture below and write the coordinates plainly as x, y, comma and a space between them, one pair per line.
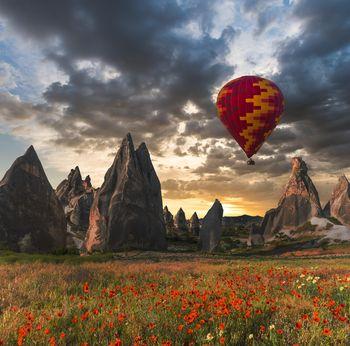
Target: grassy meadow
180, 300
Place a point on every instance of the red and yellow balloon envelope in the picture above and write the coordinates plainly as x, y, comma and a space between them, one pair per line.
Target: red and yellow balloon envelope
250, 107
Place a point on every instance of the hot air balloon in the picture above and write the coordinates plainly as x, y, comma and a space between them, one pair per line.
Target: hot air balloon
250, 107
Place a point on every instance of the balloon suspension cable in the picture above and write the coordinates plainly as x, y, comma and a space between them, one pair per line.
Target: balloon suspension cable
250, 162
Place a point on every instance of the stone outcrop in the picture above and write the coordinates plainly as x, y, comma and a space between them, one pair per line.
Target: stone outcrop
256, 237
31, 216
339, 204
76, 196
181, 222
127, 210
210, 234
87, 183
297, 205
70, 187
169, 220
194, 224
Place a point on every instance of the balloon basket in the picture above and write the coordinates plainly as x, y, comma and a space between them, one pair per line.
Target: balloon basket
250, 162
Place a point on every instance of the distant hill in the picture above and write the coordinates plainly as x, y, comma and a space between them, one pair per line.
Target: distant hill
243, 220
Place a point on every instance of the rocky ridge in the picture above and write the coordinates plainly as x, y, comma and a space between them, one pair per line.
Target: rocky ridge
210, 233
339, 203
31, 216
194, 224
169, 220
298, 203
76, 196
180, 222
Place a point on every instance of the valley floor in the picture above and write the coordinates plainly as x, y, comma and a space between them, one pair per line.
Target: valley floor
146, 298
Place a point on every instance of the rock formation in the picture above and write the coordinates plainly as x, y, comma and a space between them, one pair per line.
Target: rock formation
339, 204
297, 205
256, 237
31, 216
127, 210
70, 187
169, 220
181, 222
210, 233
87, 183
194, 224
76, 196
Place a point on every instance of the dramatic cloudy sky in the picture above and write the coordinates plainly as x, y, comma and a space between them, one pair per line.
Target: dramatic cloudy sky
77, 75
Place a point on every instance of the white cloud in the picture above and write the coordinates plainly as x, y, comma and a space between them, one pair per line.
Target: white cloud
8, 76
98, 70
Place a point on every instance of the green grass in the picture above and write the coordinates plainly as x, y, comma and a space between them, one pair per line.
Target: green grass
7, 257
182, 251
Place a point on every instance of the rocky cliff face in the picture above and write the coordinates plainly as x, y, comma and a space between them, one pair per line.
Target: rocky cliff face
70, 187
194, 224
31, 216
339, 204
169, 220
76, 196
127, 210
181, 222
297, 205
210, 233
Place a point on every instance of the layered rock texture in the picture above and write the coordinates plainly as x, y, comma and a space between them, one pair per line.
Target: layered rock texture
31, 216
181, 222
210, 234
339, 204
70, 187
76, 196
194, 224
169, 220
297, 205
127, 210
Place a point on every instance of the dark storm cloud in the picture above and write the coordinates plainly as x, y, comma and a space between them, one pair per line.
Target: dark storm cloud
314, 78
217, 157
314, 74
206, 128
13, 110
223, 159
160, 66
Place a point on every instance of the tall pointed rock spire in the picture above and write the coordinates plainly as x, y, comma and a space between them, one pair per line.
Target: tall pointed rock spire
127, 210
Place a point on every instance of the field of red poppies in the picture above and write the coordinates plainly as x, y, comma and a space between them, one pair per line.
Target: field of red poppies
189, 302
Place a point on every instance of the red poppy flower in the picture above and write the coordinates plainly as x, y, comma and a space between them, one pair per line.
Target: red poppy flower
116, 342
153, 338
327, 331
86, 287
